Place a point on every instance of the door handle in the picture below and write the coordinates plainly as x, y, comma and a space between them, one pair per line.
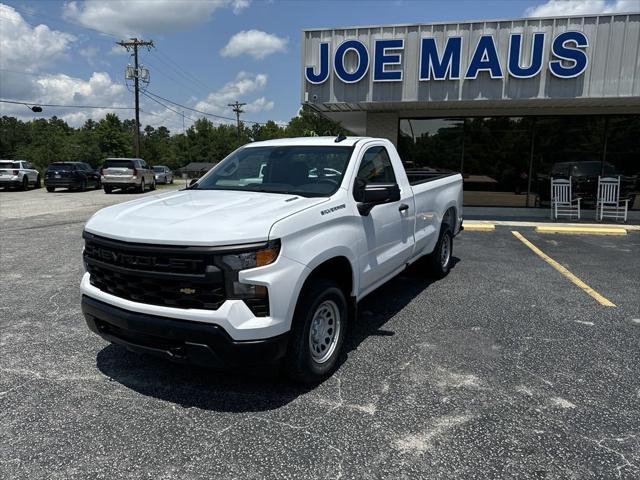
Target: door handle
403, 207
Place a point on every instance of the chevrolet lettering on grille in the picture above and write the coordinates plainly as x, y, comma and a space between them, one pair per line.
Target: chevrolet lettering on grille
141, 261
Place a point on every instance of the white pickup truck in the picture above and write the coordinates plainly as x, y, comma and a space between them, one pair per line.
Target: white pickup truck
265, 258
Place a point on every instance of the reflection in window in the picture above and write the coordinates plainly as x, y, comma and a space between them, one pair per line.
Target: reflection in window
509, 161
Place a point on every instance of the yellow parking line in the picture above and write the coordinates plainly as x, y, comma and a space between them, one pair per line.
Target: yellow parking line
590, 291
580, 230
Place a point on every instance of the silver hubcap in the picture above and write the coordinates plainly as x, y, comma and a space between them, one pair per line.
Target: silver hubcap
324, 331
445, 251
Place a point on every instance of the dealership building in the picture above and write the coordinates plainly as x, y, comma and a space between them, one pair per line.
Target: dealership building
509, 103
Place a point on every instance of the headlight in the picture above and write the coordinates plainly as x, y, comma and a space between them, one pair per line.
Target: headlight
253, 259
256, 297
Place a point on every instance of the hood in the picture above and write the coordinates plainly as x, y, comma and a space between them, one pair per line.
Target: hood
197, 217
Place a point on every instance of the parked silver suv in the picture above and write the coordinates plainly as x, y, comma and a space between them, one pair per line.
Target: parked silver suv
127, 173
163, 174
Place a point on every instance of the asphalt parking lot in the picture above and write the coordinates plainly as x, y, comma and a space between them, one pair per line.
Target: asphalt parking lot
504, 369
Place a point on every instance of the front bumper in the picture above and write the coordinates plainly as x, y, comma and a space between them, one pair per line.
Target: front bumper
181, 341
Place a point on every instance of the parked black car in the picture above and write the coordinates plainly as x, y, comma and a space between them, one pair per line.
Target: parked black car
71, 175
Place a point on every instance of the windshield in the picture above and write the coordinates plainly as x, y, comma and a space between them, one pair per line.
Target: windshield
586, 169
158, 169
61, 166
309, 171
118, 164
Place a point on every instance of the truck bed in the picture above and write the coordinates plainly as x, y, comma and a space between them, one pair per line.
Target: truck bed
417, 176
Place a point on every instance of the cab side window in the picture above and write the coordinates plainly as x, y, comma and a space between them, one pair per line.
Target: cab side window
375, 167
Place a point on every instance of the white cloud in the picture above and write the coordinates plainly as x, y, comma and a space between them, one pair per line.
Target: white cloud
256, 43
582, 7
135, 17
28, 48
62, 89
243, 86
238, 89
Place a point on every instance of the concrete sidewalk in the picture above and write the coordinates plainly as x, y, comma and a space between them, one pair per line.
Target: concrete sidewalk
538, 215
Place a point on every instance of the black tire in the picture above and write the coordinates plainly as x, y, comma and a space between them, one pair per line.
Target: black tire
141, 187
25, 183
98, 185
38, 182
107, 189
83, 186
51, 189
438, 263
171, 180
153, 185
301, 365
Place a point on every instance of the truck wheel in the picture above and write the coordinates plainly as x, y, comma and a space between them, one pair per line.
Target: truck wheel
38, 182
83, 186
153, 185
439, 262
25, 183
107, 189
141, 187
319, 327
51, 189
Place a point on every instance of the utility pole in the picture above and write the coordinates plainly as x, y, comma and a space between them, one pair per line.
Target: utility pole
133, 44
237, 107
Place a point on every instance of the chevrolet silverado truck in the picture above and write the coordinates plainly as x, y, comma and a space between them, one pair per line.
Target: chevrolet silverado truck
264, 259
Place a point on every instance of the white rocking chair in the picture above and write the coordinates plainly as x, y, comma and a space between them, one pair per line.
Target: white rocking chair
562, 202
608, 203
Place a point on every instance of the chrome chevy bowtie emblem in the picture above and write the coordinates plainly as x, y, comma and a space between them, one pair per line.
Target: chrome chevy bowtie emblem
187, 291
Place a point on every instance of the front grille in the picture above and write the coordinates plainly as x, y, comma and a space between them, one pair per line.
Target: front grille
156, 275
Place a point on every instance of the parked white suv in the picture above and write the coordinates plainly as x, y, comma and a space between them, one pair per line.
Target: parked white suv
126, 173
241, 268
18, 173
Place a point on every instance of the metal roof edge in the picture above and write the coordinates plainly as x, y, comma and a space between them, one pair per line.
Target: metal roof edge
499, 20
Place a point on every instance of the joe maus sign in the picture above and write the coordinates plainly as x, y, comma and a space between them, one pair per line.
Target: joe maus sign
526, 59
444, 62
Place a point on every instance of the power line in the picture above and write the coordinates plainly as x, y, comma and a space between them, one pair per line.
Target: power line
202, 88
57, 105
173, 78
202, 112
167, 107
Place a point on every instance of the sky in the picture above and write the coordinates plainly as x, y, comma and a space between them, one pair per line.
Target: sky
208, 53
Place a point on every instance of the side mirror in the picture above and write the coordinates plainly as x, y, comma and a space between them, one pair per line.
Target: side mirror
370, 195
192, 182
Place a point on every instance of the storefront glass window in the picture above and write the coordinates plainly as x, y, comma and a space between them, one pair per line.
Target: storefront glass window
509, 161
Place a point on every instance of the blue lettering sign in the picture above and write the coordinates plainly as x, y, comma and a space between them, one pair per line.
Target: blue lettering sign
362, 64
323, 63
432, 66
382, 58
577, 58
485, 58
515, 56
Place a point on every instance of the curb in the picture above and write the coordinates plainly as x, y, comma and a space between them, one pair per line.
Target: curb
479, 227
579, 230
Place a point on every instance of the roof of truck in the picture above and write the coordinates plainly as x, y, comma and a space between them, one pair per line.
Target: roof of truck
299, 141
